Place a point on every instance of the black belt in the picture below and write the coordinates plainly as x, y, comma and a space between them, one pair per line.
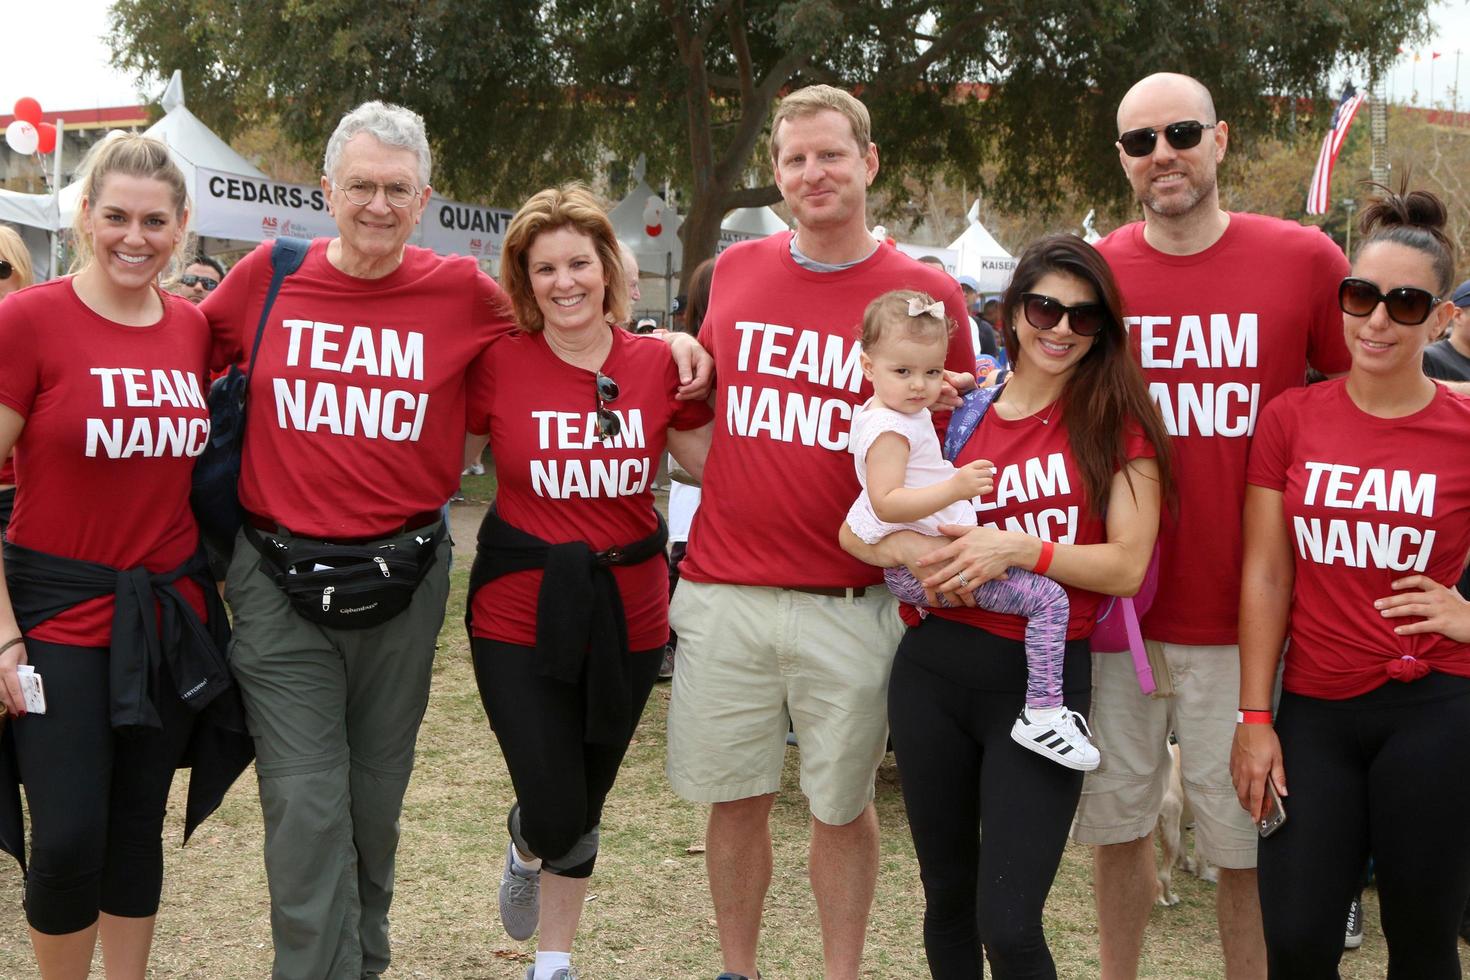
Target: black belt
837, 592
412, 523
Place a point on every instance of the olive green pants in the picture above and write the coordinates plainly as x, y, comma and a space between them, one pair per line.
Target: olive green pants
334, 715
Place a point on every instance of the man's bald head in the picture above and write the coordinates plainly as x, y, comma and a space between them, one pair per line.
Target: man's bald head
1168, 86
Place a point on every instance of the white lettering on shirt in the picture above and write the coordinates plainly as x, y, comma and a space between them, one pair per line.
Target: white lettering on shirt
147, 436
352, 410
150, 437
596, 476
1225, 408
1363, 543
381, 352
830, 360
151, 388
1034, 478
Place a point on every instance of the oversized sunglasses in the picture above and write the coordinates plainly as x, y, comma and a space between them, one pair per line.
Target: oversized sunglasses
5, 269
608, 425
1180, 135
1044, 313
204, 281
1407, 305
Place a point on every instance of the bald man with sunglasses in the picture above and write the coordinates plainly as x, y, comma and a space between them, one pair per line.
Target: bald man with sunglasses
1226, 310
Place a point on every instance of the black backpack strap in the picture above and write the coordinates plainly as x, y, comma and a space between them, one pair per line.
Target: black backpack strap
287, 254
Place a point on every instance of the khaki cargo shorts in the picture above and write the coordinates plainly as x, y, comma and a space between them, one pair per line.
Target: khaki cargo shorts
752, 658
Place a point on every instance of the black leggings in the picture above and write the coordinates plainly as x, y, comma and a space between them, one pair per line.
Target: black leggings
97, 798
953, 696
560, 780
1386, 773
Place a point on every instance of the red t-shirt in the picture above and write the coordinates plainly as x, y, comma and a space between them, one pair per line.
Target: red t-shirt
7, 472
1220, 333
1038, 491
356, 415
115, 416
1366, 501
559, 481
779, 479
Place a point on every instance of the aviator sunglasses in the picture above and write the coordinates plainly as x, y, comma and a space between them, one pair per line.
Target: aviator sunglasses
1044, 313
608, 425
5, 269
1180, 135
1407, 305
204, 281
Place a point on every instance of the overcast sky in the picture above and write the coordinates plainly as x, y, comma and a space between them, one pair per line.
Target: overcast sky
55, 53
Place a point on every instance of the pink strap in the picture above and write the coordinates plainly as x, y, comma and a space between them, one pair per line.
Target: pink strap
1135, 645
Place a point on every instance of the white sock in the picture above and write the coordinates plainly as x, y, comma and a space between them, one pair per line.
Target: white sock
524, 867
1044, 716
549, 963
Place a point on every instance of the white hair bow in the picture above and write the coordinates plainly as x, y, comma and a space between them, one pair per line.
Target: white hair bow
934, 309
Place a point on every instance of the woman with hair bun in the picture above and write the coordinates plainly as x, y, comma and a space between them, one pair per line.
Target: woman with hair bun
105, 594
1357, 525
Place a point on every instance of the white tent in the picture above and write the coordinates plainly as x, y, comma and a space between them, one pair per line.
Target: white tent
979, 255
743, 224
192, 145
648, 226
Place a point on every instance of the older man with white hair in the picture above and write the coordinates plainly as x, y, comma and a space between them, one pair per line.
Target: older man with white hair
357, 431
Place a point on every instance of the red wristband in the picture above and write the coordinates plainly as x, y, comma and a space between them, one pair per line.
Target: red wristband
1043, 561
1244, 717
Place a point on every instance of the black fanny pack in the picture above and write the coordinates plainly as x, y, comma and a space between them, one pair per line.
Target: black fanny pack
345, 586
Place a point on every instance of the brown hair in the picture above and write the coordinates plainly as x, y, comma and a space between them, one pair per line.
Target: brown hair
818, 98
1106, 394
890, 312
132, 155
569, 206
1414, 219
699, 286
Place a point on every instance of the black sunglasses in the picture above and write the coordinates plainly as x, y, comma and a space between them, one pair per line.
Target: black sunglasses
1044, 313
205, 281
1405, 304
608, 425
5, 269
1181, 136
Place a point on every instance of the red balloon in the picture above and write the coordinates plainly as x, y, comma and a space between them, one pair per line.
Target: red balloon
47, 132
28, 109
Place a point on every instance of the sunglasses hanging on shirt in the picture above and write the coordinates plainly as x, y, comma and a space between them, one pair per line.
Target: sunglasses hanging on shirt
1406, 305
1180, 135
608, 424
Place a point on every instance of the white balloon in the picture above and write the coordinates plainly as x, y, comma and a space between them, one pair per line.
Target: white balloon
22, 137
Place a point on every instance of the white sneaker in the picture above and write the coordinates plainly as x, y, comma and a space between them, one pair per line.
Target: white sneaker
1064, 740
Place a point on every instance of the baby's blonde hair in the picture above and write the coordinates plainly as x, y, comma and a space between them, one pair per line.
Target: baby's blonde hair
889, 313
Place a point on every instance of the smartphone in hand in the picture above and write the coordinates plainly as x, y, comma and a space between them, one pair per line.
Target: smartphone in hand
1274, 814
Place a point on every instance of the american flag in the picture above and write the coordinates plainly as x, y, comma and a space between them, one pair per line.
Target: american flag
1318, 198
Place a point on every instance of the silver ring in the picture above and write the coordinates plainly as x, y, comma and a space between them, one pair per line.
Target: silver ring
964, 582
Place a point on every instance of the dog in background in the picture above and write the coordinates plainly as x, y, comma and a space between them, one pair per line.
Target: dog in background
1173, 818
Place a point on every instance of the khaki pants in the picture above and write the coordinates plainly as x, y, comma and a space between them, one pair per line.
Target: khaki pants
334, 714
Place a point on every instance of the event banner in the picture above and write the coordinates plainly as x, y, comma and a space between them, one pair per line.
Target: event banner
450, 228
254, 209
